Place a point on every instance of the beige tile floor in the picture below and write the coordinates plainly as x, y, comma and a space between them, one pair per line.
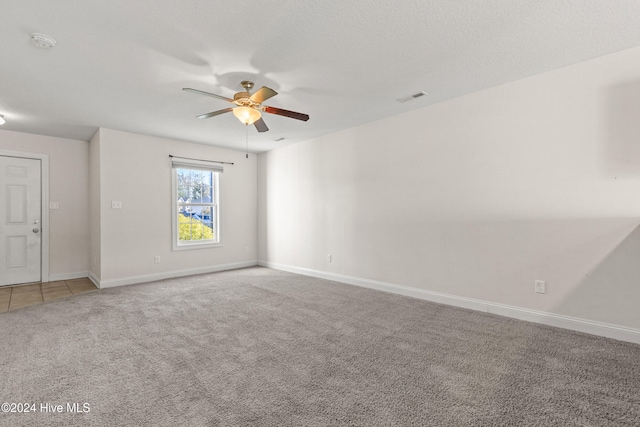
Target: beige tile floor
15, 297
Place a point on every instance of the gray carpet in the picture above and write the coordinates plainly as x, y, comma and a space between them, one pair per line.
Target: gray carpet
258, 347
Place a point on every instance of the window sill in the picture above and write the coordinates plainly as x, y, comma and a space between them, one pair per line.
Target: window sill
188, 246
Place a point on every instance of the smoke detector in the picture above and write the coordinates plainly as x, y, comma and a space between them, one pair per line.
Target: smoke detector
42, 41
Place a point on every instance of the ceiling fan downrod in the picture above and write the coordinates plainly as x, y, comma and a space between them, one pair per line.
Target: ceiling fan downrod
247, 85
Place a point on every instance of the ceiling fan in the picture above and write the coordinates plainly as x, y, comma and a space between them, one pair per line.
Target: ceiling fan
249, 107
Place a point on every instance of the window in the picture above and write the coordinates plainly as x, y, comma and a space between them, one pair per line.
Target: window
196, 218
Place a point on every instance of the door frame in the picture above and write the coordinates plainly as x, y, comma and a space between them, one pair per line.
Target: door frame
44, 196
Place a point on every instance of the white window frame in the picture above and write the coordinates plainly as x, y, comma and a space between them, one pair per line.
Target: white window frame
177, 163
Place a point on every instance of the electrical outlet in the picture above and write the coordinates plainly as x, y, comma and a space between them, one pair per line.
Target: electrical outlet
156, 259
329, 257
54, 205
116, 204
540, 287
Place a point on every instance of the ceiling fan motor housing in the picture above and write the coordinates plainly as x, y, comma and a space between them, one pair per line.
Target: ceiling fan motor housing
241, 95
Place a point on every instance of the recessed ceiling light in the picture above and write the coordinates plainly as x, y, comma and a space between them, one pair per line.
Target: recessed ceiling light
2, 121
42, 41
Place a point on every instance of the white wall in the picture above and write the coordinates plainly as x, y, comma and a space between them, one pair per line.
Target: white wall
95, 217
477, 197
136, 170
69, 186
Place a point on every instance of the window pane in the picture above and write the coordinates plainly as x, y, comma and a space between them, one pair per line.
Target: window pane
208, 229
184, 227
198, 231
195, 185
183, 182
205, 213
192, 227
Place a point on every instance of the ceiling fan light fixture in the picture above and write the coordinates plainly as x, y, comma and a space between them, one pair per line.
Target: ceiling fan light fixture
247, 115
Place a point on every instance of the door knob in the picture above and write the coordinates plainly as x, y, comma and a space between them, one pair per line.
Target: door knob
35, 230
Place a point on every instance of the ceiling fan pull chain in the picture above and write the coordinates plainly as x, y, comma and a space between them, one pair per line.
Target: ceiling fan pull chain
247, 140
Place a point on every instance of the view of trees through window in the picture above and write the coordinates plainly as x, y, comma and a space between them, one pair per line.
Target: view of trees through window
196, 204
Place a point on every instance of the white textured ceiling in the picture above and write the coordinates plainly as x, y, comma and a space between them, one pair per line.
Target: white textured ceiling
121, 64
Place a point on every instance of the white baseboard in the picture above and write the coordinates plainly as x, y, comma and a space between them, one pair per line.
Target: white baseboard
94, 279
621, 333
167, 274
68, 276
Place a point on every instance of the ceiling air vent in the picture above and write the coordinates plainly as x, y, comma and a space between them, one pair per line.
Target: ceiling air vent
412, 97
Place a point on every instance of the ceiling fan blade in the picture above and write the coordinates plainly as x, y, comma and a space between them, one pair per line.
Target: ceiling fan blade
263, 94
201, 92
286, 113
260, 125
215, 113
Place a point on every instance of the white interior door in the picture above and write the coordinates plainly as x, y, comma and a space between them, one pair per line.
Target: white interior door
20, 220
